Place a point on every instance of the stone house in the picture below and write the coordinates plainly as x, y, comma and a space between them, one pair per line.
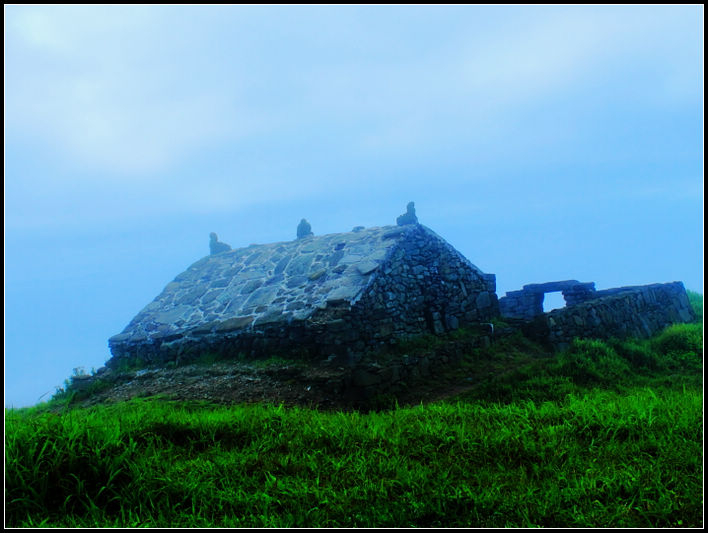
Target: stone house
336, 295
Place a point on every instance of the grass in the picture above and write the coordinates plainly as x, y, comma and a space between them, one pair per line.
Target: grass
597, 459
606, 434
696, 301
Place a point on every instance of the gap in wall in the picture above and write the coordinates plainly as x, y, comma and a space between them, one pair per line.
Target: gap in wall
553, 300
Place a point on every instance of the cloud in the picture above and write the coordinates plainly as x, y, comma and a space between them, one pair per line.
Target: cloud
282, 98
475, 86
107, 88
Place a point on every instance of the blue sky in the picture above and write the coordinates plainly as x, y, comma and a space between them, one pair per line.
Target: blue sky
544, 143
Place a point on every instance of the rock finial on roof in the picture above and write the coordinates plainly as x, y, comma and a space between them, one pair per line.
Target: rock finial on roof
216, 247
409, 216
304, 229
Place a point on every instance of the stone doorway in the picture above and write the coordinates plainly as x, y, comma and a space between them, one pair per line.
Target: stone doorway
529, 301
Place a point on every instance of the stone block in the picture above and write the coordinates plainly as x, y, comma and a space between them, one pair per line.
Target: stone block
262, 296
345, 292
367, 267
452, 322
233, 324
169, 316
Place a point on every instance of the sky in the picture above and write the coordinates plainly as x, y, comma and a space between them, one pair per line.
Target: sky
544, 143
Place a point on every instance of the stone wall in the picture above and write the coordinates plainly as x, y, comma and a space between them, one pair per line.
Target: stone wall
427, 287
625, 312
388, 375
528, 302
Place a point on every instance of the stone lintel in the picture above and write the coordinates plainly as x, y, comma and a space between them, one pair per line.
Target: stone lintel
554, 286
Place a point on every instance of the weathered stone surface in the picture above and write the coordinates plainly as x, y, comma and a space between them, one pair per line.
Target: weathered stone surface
367, 267
483, 300
344, 293
169, 316
234, 324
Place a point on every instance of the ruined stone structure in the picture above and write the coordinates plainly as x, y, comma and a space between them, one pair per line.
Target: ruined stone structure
639, 311
317, 296
338, 297
528, 302
625, 312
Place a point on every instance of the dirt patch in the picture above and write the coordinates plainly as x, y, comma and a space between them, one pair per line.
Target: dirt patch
223, 382
230, 383
324, 385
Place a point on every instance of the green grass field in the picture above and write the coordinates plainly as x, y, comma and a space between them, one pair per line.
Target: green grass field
606, 434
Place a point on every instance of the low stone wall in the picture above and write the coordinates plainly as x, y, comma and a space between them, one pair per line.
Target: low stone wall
371, 382
625, 312
388, 376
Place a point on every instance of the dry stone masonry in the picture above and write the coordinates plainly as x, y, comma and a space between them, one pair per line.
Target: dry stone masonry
341, 297
639, 311
528, 302
336, 295
624, 312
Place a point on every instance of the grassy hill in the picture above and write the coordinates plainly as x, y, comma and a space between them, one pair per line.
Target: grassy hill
606, 434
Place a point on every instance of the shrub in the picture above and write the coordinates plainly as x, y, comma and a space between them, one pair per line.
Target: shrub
590, 361
680, 346
637, 353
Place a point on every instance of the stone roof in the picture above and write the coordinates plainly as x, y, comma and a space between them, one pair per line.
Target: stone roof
285, 281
